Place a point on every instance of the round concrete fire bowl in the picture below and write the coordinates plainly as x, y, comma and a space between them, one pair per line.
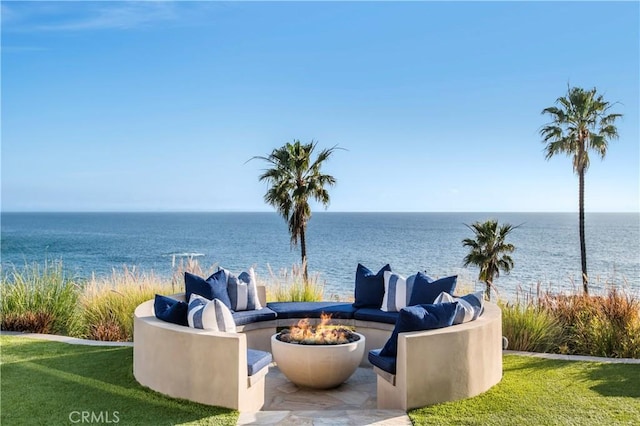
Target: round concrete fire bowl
317, 366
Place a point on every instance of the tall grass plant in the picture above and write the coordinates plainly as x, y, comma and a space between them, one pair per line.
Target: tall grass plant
107, 304
39, 299
290, 286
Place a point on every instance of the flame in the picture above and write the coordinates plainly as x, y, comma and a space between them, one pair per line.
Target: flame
323, 334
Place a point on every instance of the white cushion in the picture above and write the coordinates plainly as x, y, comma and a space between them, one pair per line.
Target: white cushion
243, 291
397, 291
469, 307
209, 314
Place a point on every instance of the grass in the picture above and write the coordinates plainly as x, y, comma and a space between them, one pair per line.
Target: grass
529, 328
536, 391
289, 286
107, 304
60, 379
599, 325
46, 382
39, 299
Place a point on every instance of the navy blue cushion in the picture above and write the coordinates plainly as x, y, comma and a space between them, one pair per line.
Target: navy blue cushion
417, 318
171, 310
257, 360
369, 314
425, 290
257, 315
369, 289
287, 310
387, 363
214, 287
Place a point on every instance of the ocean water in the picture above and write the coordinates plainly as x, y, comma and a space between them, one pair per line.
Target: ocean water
547, 246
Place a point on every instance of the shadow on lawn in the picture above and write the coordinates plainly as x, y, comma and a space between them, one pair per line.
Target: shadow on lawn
46, 381
616, 379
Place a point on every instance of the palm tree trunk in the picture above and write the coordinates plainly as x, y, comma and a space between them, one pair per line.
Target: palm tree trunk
303, 251
487, 291
583, 246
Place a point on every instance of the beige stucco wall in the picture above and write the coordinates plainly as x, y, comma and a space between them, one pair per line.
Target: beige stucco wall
447, 364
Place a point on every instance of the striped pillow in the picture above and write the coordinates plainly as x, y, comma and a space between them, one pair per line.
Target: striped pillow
397, 291
210, 315
243, 291
469, 307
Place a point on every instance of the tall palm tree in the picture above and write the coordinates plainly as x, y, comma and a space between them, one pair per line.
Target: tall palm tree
295, 178
489, 251
581, 122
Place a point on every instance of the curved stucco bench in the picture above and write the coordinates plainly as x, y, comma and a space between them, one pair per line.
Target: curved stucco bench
446, 364
210, 367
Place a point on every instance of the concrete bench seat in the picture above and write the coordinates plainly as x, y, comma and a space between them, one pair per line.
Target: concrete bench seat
228, 369
446, 364
376, 315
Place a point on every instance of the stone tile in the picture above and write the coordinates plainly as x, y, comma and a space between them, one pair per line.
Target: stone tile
379, 417
263, 418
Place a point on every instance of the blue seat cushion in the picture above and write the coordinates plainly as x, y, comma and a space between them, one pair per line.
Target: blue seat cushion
368, 314
257, 360
286, 310
386, 363
257, 315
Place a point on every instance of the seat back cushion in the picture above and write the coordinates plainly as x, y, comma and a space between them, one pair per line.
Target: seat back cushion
397, 291
210, 315
243, 291
369, 288
417, 318
214, 287
171, 310
425, 290
469, 308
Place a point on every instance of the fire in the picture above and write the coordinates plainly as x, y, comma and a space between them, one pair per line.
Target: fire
322, 334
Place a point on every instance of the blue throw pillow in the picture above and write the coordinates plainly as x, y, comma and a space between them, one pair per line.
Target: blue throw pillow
214, 287
425, 290
171, 310
369, 290
417, 318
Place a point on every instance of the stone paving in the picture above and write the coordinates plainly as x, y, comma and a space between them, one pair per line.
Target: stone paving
352, 403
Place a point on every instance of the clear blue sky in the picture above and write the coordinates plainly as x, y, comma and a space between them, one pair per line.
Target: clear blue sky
149, 106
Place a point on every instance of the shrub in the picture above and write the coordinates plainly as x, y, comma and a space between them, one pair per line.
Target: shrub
529, 328
39, 299
601, 325
107, 304
290, 286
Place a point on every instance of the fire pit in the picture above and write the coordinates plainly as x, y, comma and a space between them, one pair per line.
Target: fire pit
319, 357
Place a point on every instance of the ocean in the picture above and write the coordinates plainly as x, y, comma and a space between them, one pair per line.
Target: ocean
547, 246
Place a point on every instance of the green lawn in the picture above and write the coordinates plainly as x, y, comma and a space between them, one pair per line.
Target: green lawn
56, 383
537, 391
47, 382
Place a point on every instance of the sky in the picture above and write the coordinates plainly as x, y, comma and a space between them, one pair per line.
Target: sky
157, 106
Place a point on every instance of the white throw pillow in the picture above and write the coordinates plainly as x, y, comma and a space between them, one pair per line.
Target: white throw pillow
243, 291
210, 315
469, 307
397, 291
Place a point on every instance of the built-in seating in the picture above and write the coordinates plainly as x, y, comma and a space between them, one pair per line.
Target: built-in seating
228, 369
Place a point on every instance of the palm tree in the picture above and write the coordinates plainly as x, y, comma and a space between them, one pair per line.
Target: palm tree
581, 122
489, 251
295, 178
